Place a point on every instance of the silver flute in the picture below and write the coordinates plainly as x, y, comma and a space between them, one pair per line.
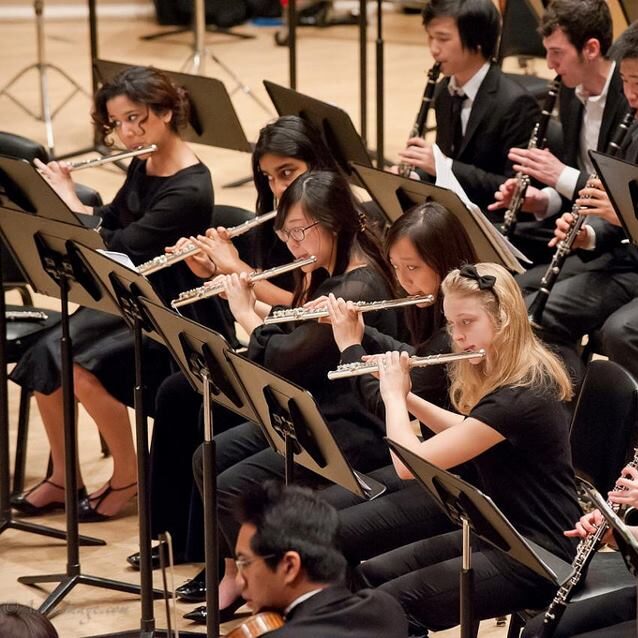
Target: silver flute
98, 161
303, 314
169, 259
358, 368
211, 290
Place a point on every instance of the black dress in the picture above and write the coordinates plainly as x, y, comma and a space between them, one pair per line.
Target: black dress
147, 214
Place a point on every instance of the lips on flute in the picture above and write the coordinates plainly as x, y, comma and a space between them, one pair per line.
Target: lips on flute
99, 161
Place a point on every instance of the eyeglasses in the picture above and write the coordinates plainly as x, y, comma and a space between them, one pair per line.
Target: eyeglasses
242, 563
298, 234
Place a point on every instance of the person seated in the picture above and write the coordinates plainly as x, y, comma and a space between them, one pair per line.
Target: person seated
480, 113
20, 621
611, 614
287, 561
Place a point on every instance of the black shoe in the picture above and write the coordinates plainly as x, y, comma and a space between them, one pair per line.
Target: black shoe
198, 615
90, 514
134, 559
22, 505
193, 590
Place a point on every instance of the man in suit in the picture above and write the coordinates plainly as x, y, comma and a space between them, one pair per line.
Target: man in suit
577, 35
480, 113
288, 562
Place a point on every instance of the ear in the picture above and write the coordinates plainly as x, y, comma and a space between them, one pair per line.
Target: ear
167, 116
291, 567
591, 49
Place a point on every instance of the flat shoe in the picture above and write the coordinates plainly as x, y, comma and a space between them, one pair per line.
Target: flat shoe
193, 590
134, 559
198, 615
25, 507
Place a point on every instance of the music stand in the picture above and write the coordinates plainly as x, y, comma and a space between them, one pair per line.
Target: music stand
201, 355
39, 245
334, 124
213, 120
630, 10
23, 189
118, 290
620, 179
395, 195
475, 512
296, 429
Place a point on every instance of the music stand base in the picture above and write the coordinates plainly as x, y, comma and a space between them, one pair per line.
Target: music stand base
154, 633
34, 528
209, 29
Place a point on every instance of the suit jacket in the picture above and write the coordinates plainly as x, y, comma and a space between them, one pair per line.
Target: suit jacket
502, 116
337, 613
571, 118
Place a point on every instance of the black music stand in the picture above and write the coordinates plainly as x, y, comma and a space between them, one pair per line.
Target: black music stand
395, 195
476, 513
118, 289
202, 355
296, 429
39, 245
620, 179
334, 123
213, 120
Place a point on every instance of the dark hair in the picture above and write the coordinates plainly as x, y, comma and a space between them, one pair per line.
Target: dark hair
288, 136
327, 198
144, 85
293, 519
478, 22
20, 621
443, 244
626, 46
581, 20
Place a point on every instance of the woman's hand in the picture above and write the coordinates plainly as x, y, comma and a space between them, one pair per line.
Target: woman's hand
239, 292
563, 224
595, 201
347, 323
587, 525
629, 484
200, 264
394, 375
222, 251
58, 176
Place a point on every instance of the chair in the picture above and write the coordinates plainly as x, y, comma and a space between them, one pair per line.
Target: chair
22, 334
603, 431
520, 37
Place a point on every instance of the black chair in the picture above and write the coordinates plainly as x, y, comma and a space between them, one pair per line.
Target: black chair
21, 334
520, 38
603, 431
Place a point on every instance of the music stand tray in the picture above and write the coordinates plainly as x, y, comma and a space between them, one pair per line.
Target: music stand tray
395, 195
212, 121
334, 123
287, 411
620, 179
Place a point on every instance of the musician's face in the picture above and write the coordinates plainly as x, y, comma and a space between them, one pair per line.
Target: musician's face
414, 275
136, 124
629, 75
564, 58
469, 324
446, 47
281, 171
261, 587
317, 240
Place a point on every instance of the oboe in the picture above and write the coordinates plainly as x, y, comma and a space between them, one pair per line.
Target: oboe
421, 119
304, 314
537, 140
99, 161
347, 370
584, 554
564, 246
211, 290
169, 259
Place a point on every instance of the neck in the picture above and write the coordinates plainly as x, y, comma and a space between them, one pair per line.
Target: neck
464, 76
595, 76
173, 155
303, 588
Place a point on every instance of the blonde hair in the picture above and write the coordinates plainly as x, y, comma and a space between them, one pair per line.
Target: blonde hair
518, 358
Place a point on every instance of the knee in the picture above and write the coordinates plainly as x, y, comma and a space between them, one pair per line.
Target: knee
614, 332
85, 383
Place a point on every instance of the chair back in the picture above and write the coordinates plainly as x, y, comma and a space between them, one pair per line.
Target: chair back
22, 147
519, 33
603, 427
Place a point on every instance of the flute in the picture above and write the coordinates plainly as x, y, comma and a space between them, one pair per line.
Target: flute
303, 314
206, 291
347, 370
169, 259
98, 161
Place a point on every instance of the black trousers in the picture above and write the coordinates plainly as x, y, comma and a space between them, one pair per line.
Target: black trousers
424, 578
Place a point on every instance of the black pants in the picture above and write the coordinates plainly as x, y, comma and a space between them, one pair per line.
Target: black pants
424, 578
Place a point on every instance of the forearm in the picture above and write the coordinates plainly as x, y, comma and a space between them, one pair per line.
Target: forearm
399, 429
249, 321
433, 417
262, 309
272, 295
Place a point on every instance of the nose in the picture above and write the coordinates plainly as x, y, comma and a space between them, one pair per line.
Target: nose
278, 188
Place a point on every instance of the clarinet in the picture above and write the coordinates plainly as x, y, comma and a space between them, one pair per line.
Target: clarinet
537, 140
565, 245
421, 119
584, 554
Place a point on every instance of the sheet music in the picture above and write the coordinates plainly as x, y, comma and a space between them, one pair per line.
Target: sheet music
445, 178
120, 258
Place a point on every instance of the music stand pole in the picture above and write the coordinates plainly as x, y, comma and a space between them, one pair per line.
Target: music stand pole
363, 71
379, 96
292, 43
